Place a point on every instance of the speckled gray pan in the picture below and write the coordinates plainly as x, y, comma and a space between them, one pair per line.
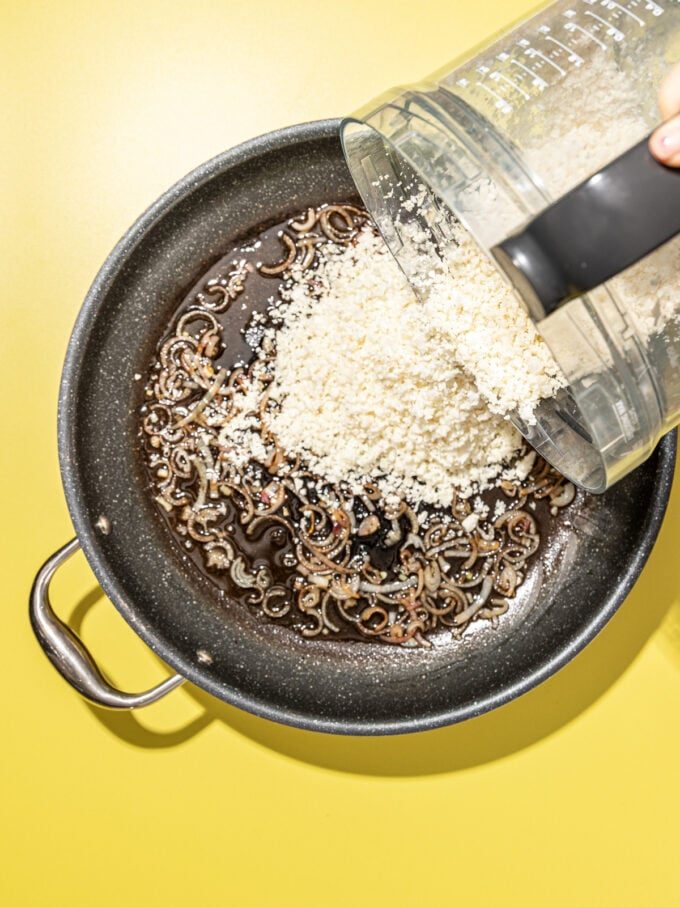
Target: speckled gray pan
343, 688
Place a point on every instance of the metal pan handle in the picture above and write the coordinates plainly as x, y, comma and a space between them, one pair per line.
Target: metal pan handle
69, 655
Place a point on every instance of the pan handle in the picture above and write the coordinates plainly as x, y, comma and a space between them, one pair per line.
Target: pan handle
69, 655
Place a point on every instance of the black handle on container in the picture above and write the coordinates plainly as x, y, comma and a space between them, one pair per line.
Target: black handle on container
596, 230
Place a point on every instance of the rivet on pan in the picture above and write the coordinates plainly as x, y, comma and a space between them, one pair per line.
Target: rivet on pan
204, 657
103, 525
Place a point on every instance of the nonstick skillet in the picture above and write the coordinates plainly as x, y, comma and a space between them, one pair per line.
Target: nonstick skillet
350, 688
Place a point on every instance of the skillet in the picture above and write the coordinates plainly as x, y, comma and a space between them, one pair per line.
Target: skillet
349, 688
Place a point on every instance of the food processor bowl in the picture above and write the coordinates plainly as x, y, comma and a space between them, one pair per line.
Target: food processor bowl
490, 142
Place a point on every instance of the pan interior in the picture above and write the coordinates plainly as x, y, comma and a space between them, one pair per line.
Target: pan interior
349, 687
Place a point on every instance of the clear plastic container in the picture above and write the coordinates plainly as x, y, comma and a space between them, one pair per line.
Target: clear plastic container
489, 142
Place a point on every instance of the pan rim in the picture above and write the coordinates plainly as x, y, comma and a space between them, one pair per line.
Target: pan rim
86, 533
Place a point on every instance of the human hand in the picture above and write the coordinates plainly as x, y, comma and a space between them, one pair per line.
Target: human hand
665, 141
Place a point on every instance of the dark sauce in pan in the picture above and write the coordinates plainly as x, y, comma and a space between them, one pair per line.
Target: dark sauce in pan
256, 559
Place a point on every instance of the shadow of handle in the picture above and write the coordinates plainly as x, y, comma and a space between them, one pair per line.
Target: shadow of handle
68, 653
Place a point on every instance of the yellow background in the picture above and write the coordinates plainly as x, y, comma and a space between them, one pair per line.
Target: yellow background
568, 796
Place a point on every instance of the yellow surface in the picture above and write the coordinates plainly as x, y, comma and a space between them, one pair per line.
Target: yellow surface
569, 796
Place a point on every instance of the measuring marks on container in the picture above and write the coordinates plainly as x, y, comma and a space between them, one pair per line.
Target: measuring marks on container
567, 39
